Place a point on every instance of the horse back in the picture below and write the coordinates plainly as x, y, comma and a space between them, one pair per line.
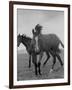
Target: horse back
48, 41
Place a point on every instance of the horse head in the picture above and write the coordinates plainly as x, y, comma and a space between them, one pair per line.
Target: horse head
38, 29
19, 38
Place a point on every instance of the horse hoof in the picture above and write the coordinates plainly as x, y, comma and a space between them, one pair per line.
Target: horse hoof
51, 70
40, 74
29, 66
36, 74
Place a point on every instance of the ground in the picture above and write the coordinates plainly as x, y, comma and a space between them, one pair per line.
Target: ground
26, 73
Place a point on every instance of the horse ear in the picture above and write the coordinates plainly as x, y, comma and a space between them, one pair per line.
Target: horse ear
33, 31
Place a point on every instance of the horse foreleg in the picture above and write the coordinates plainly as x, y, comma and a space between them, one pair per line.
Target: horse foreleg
48, 56
29, 61
35, 68
39, 68
39, 62
34, 60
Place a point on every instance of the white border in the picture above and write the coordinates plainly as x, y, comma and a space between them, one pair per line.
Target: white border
32, 82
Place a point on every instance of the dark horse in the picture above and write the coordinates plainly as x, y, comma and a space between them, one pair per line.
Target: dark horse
48, 43
29, 44
26, 41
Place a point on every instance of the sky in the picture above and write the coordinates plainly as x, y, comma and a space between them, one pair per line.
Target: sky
51, 20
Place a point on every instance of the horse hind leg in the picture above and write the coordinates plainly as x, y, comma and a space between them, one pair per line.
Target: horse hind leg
54, 59
59, 58
48, 56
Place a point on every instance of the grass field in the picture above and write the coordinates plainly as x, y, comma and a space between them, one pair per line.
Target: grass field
26, 73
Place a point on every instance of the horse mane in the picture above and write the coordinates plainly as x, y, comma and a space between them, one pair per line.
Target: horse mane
24, 36
38, 28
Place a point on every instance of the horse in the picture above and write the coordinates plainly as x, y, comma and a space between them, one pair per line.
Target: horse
29, 44
26, 41
48, 43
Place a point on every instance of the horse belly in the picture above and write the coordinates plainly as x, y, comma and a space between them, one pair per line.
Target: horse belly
48, 42
43, 46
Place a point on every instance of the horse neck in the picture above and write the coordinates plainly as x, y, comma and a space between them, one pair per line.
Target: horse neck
37, 42
26, 43
39, 35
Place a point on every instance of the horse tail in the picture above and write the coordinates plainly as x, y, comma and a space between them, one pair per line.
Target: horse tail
58, 50
62, 44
